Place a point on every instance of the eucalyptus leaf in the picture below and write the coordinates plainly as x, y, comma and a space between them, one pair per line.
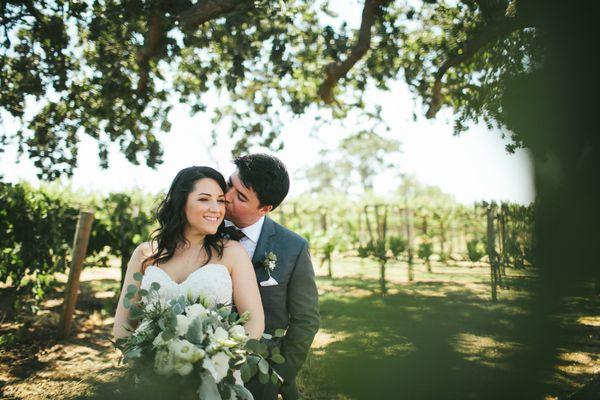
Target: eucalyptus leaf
241, 392
132, 289
136, 311
274, 378
138, 276
143, 293
253, 369
263, 378
278, 359
177, 309
155, 286
262, 349
252, 344
208, 389
195, 334
246, 372
263, 366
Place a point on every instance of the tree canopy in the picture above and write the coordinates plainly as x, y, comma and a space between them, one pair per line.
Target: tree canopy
114, 69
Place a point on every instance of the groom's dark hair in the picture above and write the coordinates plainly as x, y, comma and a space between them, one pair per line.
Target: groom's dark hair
266, 175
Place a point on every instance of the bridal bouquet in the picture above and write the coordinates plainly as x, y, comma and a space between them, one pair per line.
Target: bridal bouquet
194, 343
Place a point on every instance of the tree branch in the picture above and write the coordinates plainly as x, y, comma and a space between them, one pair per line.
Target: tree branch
336, 70
466, 50
152, 44
206, 10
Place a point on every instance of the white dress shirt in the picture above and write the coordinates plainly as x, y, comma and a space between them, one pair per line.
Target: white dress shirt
252, 233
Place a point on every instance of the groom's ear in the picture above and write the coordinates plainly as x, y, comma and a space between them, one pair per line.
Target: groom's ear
264, 210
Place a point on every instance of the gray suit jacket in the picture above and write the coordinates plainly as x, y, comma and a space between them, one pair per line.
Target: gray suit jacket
293, 304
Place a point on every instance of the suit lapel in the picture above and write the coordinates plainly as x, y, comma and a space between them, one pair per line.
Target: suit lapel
264, 242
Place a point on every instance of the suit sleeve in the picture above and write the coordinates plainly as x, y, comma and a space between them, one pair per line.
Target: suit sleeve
303, 308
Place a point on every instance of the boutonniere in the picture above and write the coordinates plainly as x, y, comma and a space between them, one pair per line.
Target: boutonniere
270, 262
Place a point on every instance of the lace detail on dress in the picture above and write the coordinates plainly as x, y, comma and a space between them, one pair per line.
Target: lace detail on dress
212, 281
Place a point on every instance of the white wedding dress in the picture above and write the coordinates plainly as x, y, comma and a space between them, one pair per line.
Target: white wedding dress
212, 282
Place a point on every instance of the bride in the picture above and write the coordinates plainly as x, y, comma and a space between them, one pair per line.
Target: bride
188, 256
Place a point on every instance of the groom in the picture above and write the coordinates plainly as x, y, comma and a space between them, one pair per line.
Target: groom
289, 295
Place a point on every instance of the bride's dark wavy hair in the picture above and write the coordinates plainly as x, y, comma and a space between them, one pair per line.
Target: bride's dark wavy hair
172, 221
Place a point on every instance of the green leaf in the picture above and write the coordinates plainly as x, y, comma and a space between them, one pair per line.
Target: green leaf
262, 349
263, 366
241, 392
278, 358
177, 309
127, 302
138, 276
263, 378
155, 286
274, 378
132, 289
279, 332
129, 295
208, 389
136, 311
267, 336
143, 293
252, 345
246, 372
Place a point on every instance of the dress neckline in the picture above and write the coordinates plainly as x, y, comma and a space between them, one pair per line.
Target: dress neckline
190, 275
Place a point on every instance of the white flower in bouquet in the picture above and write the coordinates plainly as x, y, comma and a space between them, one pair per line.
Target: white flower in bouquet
183, 323
238, 333
185, 351
198, 341
196, 310
219, 339
217, 365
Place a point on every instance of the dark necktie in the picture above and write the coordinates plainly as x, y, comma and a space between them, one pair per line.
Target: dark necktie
233, 233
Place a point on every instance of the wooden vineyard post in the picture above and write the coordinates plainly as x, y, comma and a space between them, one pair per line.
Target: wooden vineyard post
491, 250
80, 243
409, 238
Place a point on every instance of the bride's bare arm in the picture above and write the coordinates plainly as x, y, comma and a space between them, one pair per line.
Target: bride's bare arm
134, 265
245, 289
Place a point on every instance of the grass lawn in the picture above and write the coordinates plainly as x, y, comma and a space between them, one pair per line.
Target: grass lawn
439, 337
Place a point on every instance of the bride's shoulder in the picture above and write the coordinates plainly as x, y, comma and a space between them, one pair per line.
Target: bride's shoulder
233, 248
233, 253
144, 250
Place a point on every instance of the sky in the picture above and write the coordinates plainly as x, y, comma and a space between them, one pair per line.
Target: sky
472, 167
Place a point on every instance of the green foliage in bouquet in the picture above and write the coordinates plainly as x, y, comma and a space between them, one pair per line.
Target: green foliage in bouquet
189, 343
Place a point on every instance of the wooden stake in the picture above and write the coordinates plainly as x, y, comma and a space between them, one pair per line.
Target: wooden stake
80, 243
408, 215
491, 250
